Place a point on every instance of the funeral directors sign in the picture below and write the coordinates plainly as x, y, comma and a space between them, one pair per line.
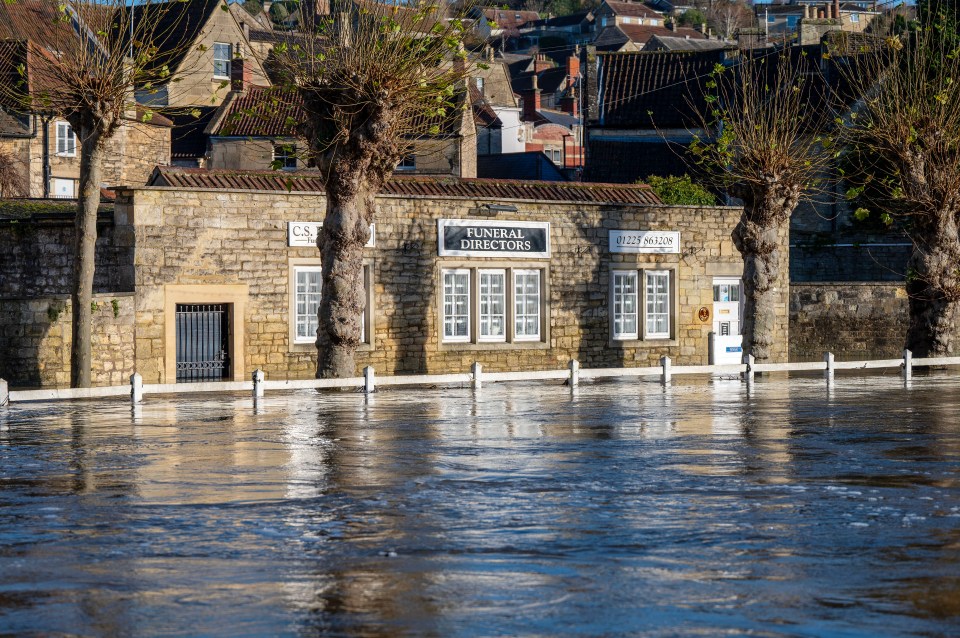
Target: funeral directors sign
487, 238
644, 241
305, 234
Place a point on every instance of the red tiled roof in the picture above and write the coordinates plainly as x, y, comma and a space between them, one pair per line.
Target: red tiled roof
640, 33
508, 19
261, 112
410, 186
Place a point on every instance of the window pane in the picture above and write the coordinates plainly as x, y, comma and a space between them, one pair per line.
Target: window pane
658, 303
309, 283
456, 305
526, 284
492, 305
625, 304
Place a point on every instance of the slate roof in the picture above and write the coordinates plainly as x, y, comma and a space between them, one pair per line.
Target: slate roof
510, 20
13, 124
410, 186
632, 10
641, 33
179, 26
483, 113
188, 141
673, 43
653, 89
572, 20
530, 165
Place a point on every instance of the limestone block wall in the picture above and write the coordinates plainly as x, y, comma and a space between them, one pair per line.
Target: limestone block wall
232, 246
855, 321
35, 339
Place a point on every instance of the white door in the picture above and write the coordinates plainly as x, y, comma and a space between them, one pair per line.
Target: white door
727, 310
64, 188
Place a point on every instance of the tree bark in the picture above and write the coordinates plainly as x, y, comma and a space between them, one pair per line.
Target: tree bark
91, 169
760, 248
345, 231
933, 290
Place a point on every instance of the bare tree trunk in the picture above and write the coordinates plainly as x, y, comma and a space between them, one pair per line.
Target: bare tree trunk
933, 289
346, 229
91, 168
760, 247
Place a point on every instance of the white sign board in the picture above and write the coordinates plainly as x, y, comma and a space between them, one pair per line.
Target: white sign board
305, 234
644, 241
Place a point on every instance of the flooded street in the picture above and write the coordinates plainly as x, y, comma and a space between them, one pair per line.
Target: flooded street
622, 509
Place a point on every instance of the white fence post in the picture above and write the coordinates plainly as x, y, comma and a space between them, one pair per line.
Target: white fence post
369, 384
749, 360
907, 365
136, 388
828, 373
4, 392
258, 377
477, 371
666, 375
574, 373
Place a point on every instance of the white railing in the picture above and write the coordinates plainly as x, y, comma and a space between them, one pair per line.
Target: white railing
475, 378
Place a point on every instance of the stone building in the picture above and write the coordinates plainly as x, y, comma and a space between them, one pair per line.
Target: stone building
515, 275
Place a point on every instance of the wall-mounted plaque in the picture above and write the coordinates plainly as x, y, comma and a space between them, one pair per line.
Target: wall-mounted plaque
305, 234
489, 238
644, 241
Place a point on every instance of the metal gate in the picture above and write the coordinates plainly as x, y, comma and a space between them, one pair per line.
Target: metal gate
203, 352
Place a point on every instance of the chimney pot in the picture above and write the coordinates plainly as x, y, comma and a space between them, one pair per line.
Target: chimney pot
241, 74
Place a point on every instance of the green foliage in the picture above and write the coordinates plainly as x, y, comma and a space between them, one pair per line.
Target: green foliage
279, 13
680, 190
253, 7
94, 306
691, 18
54, 310
115, 304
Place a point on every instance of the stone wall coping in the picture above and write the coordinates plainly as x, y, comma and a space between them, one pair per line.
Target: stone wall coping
108, 295
847, 284
126, 190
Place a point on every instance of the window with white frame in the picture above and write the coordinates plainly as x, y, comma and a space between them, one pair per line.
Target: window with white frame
641, 305
285, 156
408, 163
625, 305
492, 305
456, 305
656, 319
526, 296
66, 140
487, 305
854, 17
309, 286
222, 53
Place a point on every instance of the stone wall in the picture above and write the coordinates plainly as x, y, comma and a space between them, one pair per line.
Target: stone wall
35, 338
855, 321
232, 246
884, 262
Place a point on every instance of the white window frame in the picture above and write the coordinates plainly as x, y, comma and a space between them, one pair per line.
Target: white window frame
465, 272
297, 270
408, 163
854, 17
484, 298
66, 140
221, 60
619, 297
650, 298
285, 153
517, 294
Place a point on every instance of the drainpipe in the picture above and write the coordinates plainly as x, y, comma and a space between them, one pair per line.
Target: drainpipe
46, 158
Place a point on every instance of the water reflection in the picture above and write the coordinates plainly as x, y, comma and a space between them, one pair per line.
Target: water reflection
624, 507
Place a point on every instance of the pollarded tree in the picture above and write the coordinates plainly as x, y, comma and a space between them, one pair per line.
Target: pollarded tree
81, 61
908, 121
371, 80
768, 149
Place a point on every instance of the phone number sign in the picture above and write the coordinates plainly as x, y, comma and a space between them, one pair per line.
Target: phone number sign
644, 241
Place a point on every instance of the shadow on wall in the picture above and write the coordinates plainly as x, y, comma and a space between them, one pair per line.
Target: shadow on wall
35, 338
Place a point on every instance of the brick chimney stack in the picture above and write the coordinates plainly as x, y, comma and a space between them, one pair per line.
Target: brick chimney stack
541, 63
568, 104
531, 103
241, 74
573, 70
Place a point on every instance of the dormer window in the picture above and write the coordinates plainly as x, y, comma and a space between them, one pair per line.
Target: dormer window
222, 54
408, 163
285, 157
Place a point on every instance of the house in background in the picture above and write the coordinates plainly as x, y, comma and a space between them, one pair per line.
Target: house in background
611, 13
644, 115
255, 129
45, 149
202, 40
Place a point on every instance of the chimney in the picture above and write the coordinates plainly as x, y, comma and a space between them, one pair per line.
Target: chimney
241, 74
703, 28
836, 9
489, 50
573, 70
673, 25
531, 103
568, 104
541, 63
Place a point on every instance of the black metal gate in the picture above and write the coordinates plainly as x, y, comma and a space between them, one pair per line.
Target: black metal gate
203, 347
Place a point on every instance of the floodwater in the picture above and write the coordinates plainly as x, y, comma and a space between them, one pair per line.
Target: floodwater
623, 509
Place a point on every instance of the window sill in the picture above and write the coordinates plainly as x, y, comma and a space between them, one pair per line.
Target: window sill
301, 348
485, 346
643, 343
